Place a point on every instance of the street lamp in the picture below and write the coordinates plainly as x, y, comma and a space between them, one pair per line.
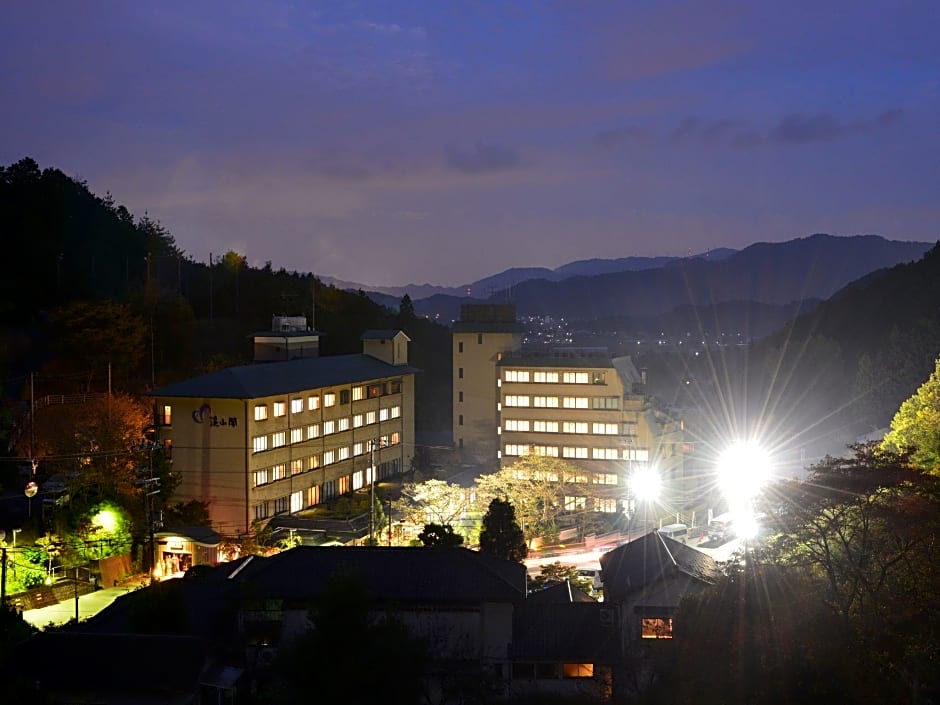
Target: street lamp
646, 485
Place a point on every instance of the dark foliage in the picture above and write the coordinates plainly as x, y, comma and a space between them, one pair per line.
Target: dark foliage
501, 534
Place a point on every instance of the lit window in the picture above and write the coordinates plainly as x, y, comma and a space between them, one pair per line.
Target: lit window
545, 426
168, 448
313, 462
656, 627
605, 403
358, 393
259, 443
296, 466
370, 417
605, 478
568, 452
313, 495
329, 399
516, 376
280, 408
296, 406
604, 453
546, 402
167, 415
394, 439
342, 424
578, 670
296, 435
575, 402
516, 425
516, 450
261, 412
549, 451
261, 477
329, 427
278, 472
343, 453
610, 429
357, 421
296, 501
545, 377
516, 400
329, 457
313, 431
396, 412
278, 439
383, 414
574, 427
359, 448
358, 480
313, 403
574, 377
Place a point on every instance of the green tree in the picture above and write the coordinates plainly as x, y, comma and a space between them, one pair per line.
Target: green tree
501, 534
439, 535
916, 425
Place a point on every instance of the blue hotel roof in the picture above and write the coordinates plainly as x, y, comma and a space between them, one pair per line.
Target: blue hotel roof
264, 379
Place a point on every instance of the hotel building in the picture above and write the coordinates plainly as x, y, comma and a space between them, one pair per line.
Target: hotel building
292, 429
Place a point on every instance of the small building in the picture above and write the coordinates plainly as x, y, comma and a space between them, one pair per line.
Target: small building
179, 549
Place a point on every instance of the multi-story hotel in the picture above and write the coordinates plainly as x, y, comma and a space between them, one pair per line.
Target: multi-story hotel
291, 430
577, 404
481, 337
582, 406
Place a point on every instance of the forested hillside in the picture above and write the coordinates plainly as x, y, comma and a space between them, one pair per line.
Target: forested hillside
87, 288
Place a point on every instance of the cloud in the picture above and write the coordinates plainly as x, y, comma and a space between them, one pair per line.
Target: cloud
630, 134
798, 128
482, 158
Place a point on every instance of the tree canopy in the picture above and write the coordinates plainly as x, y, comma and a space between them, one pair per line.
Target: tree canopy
916, 425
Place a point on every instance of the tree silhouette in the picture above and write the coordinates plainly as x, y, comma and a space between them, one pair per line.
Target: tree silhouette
501, 534
440, 535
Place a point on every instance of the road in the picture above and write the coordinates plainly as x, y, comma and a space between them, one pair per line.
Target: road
88, 605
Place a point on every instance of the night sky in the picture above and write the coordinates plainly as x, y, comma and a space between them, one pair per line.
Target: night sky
440, 142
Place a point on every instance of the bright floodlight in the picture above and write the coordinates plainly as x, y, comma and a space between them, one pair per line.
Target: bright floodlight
646, 484
747, 526
742, 471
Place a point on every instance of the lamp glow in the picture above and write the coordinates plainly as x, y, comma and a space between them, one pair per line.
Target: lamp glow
742, 471
646, 484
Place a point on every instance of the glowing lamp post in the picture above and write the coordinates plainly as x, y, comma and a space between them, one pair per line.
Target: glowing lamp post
743, 470
646, 485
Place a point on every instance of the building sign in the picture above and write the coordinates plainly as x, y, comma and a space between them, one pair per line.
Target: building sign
204, 415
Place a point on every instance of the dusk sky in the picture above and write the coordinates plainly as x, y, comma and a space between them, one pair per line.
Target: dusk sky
441, 142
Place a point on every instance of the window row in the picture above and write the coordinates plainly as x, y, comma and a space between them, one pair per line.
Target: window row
264, 476
540, 402
313, 402
309, 432
311, 496
577, 452
581, 427
546, 377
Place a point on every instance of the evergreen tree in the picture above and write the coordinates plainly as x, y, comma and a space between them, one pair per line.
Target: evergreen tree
501, 534
440, 535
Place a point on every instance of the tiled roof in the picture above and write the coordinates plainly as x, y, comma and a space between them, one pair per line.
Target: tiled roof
653, 557
403, 575
270, 378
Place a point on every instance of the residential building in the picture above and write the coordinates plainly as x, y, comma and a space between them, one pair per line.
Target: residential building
646, 579
484, 333
277, 437
588, 409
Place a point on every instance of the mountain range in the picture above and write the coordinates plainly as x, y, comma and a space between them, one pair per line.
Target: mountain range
772, 274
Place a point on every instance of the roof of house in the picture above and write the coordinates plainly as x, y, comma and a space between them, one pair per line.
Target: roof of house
652, 558
405, 575
270, 378
201, 535
597, 357
578, 631
382, 334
